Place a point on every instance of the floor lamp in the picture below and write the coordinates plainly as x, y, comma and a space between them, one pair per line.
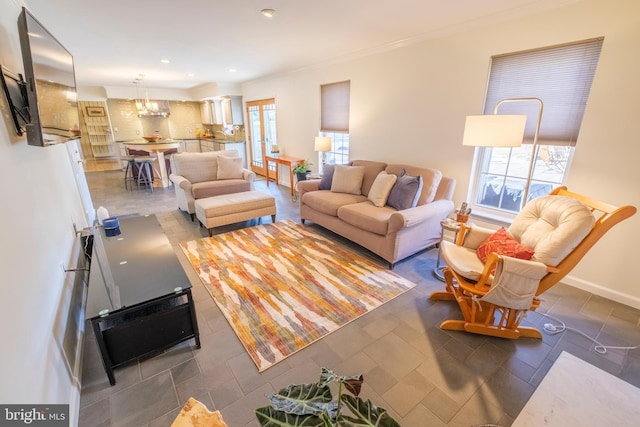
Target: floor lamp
322, 144
503, 130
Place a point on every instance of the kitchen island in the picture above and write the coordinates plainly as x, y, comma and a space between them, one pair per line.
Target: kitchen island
156, 148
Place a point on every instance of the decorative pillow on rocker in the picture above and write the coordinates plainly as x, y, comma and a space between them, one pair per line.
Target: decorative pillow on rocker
502, 243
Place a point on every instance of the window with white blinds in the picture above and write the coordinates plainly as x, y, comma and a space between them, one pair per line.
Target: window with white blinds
561, 77
334, 107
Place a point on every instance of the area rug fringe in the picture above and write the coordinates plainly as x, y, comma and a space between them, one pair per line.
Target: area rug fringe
283, 286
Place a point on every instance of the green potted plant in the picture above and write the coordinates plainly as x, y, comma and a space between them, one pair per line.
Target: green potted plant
301, 170
313, 405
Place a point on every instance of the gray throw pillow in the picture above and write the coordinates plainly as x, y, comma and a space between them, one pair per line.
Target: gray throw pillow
327, 177
406, 191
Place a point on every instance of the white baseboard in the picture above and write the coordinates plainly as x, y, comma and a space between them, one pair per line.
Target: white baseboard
602, 291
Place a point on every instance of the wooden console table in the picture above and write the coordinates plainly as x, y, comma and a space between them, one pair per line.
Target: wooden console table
287, 161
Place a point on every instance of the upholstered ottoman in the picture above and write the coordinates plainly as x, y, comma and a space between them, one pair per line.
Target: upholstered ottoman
230, 208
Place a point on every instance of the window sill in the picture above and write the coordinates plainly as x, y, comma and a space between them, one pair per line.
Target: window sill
499, 219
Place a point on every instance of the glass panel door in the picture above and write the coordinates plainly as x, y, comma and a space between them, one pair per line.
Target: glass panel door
262, 133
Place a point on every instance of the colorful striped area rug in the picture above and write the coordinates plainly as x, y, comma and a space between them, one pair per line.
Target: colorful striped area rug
282, 286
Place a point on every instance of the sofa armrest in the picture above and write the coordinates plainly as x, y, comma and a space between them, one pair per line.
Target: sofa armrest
306, 186
248, 175
434, 211
180, 181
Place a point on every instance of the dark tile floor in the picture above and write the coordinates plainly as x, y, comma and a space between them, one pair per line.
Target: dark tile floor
423, 375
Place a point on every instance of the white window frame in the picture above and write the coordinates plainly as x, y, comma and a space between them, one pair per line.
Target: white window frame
339, 154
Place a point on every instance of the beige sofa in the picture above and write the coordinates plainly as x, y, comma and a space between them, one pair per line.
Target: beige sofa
200, 175
390, 233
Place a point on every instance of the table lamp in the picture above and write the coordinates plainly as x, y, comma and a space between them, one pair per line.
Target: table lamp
322, 144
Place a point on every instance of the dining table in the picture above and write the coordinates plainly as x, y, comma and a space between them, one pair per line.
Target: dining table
156, 149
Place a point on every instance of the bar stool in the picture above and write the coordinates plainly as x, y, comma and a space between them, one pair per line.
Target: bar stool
145, 175
129, 176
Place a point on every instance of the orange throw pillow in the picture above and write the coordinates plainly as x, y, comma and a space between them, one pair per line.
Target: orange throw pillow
503, 244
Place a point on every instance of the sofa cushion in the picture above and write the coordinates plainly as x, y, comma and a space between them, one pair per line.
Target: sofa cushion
347, 179
229, 167
406, 191
366, 216
201, 190
371, 171
381, 188
328, 202
327, 176
199, 167
430, 178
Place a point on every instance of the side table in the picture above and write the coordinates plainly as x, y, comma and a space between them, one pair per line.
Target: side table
453, 226
287, 161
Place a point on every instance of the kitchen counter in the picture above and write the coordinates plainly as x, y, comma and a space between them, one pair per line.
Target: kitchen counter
144, 141
223, 141
183, 144
173, 140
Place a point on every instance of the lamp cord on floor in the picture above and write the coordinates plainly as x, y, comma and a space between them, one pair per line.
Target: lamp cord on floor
552, 329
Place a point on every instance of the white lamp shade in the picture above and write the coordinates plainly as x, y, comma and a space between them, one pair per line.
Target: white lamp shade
323, 143
498, 130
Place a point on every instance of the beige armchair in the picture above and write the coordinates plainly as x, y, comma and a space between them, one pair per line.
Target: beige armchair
198, 175
495, 295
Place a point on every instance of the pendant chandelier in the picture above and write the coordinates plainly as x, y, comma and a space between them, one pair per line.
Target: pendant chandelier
143, 105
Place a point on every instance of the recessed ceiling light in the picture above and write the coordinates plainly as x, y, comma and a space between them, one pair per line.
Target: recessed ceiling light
190, 75
232, 70
268, 12
165, 61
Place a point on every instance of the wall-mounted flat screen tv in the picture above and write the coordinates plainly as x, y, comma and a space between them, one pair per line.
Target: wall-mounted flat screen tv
50, 85
15, 91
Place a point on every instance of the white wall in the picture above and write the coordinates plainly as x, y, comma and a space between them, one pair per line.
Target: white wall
40, 205
408, 105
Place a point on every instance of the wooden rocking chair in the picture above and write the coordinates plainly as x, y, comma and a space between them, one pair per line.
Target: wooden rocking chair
494, 296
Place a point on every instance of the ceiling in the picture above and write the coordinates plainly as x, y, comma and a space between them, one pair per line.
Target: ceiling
114, 41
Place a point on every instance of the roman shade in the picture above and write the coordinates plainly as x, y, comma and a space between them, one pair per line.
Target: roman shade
560, 76
334, 107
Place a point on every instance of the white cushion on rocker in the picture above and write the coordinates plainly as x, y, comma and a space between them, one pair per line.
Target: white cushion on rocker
552, 226
463, 261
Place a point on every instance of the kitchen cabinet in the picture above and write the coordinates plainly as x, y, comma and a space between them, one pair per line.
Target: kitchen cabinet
219, 145
207, 112
232, 113
191, 146
210, 112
